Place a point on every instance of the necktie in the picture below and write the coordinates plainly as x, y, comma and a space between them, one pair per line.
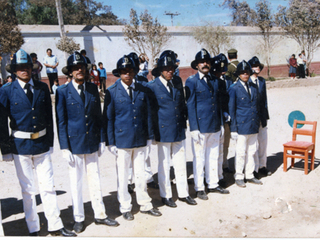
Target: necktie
247, 86
169, 84
82, 93
130, 92
29, 92
257, 82
206, 79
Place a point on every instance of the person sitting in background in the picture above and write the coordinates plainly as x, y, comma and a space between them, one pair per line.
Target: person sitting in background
55, 86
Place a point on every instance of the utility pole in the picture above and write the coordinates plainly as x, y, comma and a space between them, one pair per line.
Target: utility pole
171, 14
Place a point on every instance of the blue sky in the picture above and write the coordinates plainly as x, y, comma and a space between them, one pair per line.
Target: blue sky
192, 12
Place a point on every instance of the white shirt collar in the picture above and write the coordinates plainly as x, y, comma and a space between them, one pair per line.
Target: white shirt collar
22, 83
164, 81
76, 85
126, 86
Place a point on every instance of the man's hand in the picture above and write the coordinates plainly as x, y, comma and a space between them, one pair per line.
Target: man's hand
195, 136
67, 155
113, 149
234, 135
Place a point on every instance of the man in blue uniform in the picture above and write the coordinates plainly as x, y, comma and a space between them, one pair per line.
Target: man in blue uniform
28, 105
219, 65
148, 173
244, 107
126, 122
169, 124
261, 154
204, 112
78, 115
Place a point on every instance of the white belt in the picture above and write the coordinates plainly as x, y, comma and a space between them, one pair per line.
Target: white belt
29, 135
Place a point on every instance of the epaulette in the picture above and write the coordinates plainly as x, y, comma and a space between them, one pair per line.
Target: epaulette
63, 86
153, 81
232, 84
6, 85
112, 86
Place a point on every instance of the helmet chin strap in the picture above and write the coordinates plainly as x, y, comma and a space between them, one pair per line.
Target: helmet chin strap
164, 77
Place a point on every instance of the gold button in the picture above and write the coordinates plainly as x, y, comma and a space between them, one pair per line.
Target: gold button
87, 132
34, 126
34, 117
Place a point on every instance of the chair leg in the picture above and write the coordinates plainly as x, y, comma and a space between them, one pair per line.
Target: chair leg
285, 160
306, 162
292, 159
312, 159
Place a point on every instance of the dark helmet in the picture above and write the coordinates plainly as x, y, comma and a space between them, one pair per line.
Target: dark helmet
168, 59
203, 54
169, 53
243, 66
124, 62
20, 57
75, 59
136, 60
224, 62
255, 61
32, 55
216, 64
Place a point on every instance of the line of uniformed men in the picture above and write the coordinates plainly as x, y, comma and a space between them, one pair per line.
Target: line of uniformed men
135, 115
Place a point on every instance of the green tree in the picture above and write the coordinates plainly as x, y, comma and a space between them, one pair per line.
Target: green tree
75, 12
10, 36
242, 14
301, 22
265, 21
145, 34
214, 38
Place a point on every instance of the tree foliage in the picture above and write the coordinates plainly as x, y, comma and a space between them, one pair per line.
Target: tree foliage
265, 21
214, 38
301, 22
68, 45
145, 34
242, 14
75, 12
10, 36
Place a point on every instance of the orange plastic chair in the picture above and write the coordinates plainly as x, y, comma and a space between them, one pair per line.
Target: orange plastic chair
300, 147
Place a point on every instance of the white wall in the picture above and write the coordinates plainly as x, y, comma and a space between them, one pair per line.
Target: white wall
107, 44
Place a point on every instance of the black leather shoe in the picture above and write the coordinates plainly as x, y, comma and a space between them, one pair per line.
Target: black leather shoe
256, 175
131, 188
63, 232
78, 227
34, 234
222, 183
153, 184
128, 216
153, 212
265, 171
202, 195
169, 202
107, 221
219, 190
188, 200
254, 181
240, 183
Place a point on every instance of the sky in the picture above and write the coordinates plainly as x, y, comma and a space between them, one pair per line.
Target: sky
192, 12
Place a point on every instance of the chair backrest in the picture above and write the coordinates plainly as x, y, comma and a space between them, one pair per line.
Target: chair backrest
302, 131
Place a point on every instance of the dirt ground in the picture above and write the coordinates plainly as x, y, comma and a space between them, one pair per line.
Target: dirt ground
286, 205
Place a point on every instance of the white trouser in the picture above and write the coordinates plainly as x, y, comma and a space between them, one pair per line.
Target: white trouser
260, 158
245, 149
174, 151
205, 161
89, 163
148, 173
43, 167
223, 150
1, 229
125, 157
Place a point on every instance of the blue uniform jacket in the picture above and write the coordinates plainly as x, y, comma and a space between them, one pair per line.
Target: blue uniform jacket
79, 124
168, 113
264, 113
126, 122
25, 117
204, 104
243, 110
